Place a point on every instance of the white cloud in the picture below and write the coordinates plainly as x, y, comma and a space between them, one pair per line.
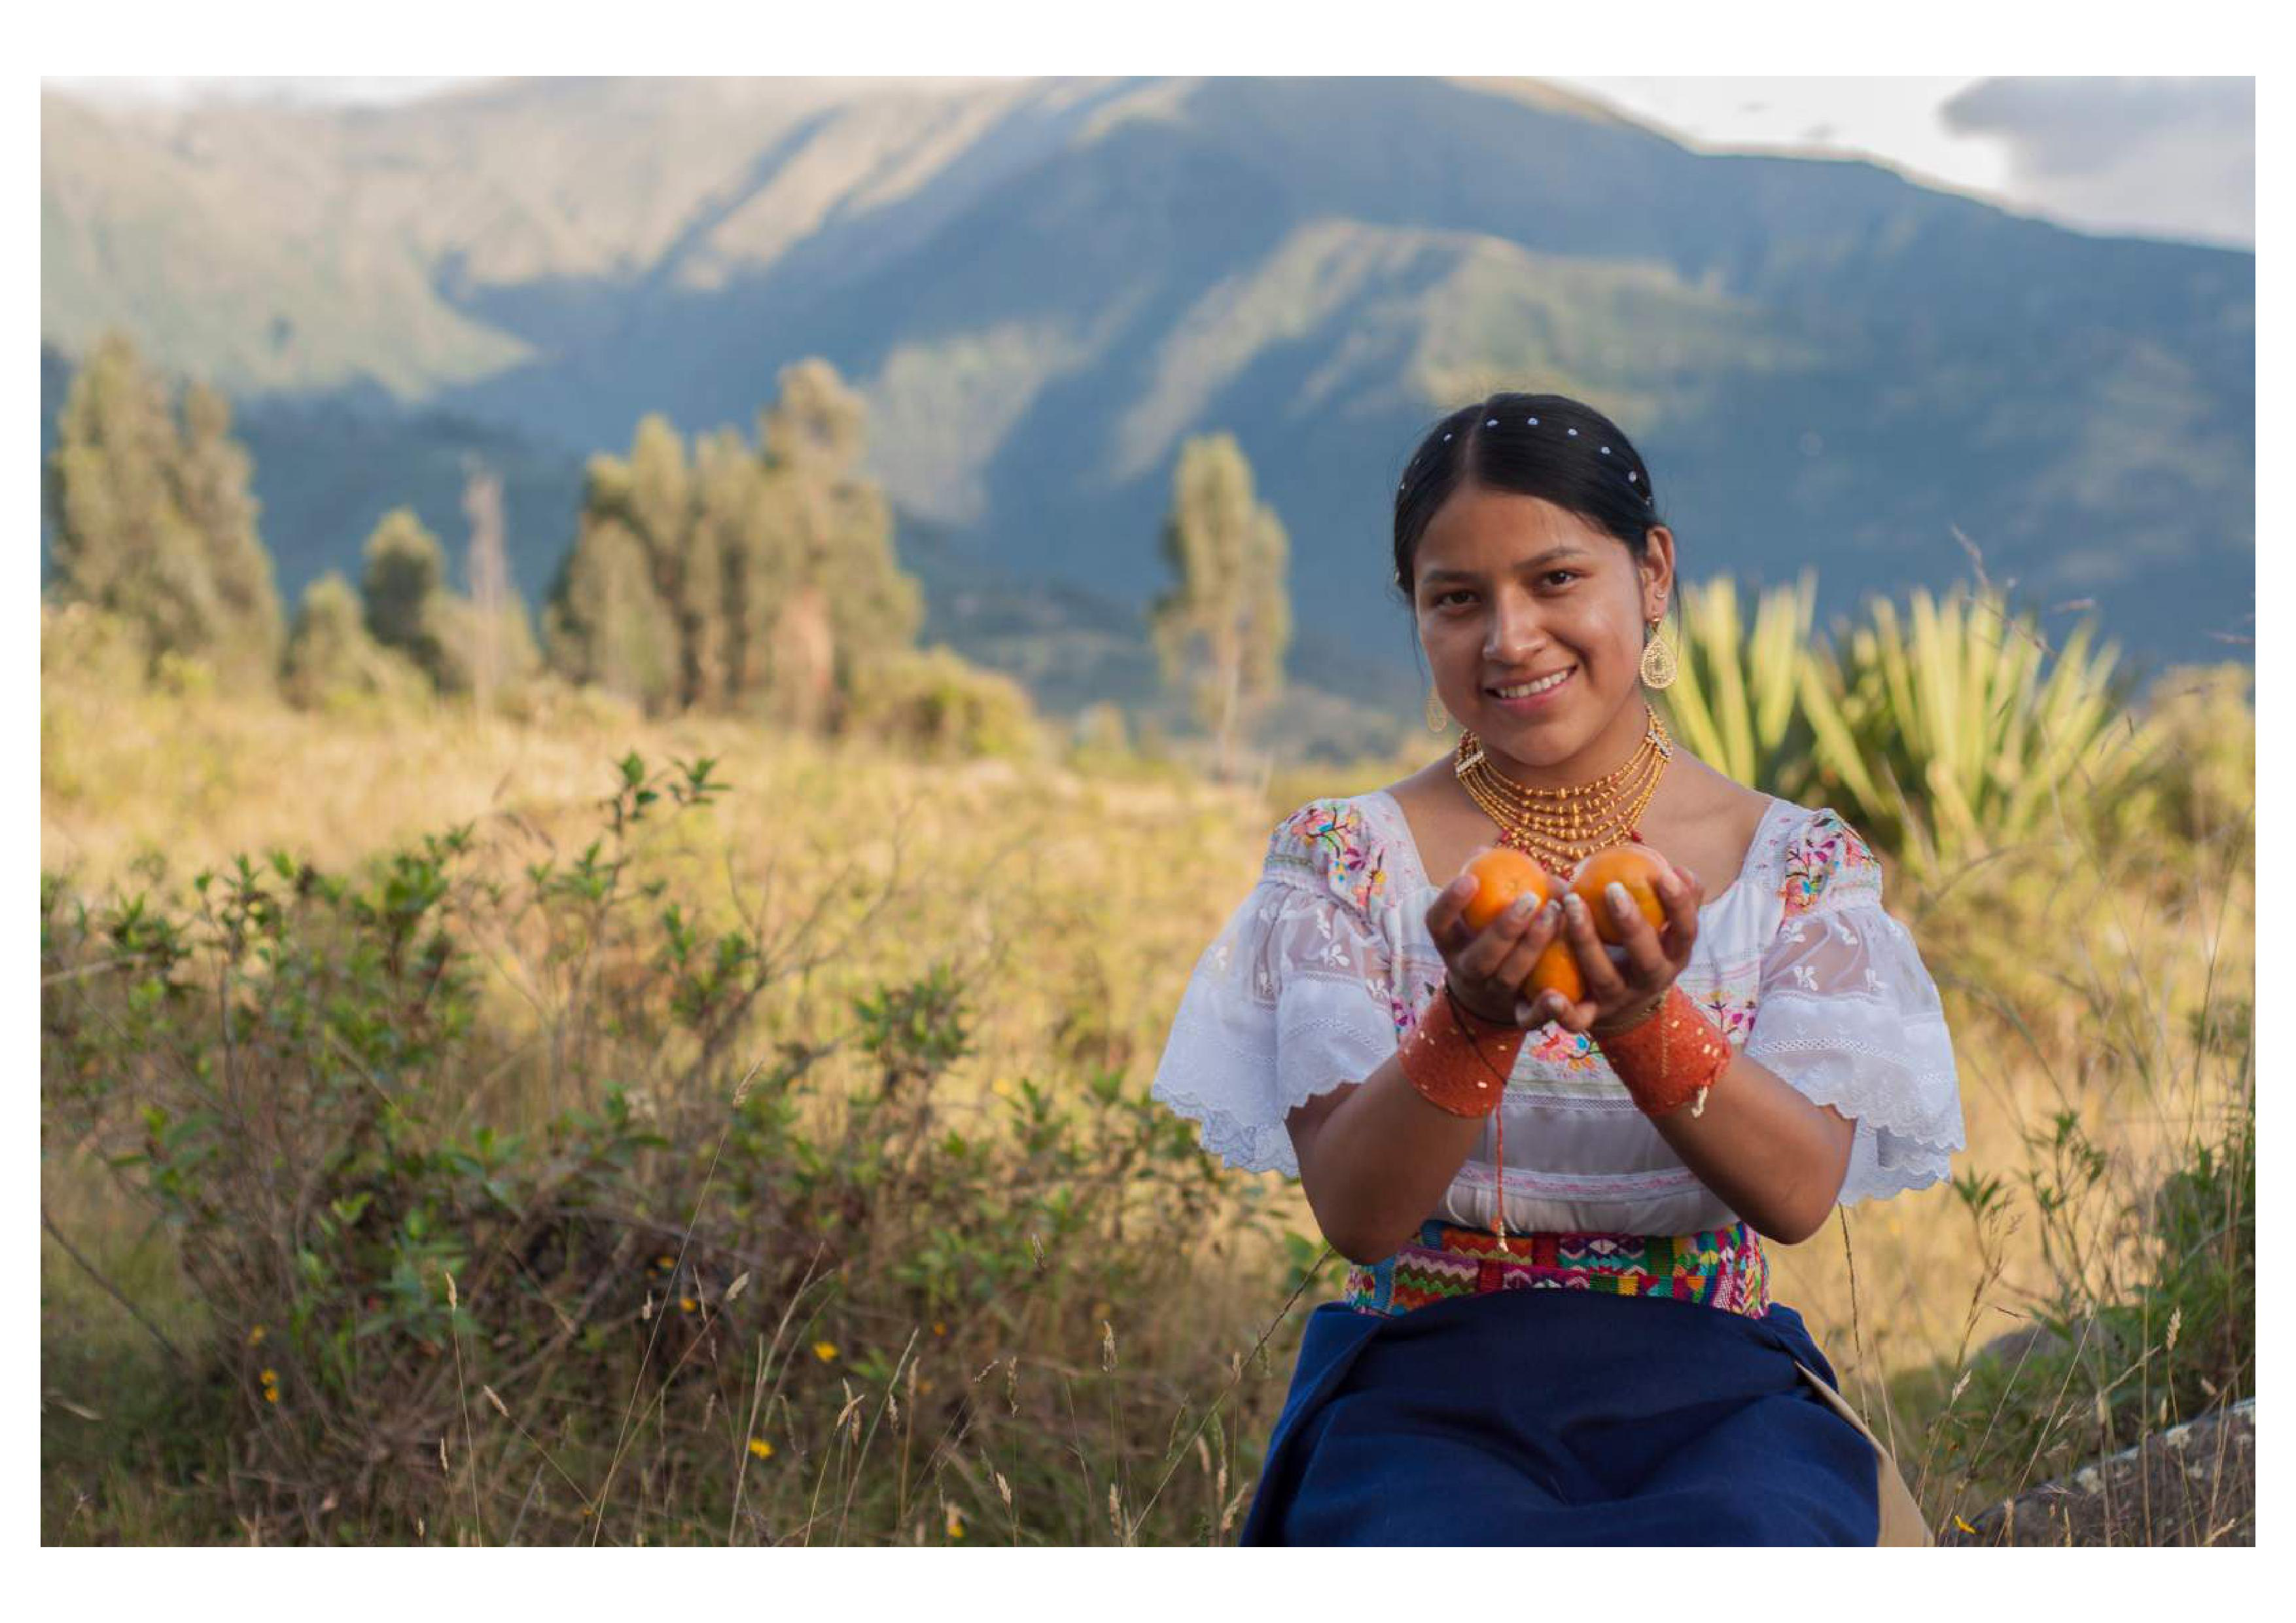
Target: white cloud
2170, 157
2155, 157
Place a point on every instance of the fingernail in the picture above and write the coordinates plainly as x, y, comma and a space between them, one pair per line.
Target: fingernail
1668, 886
1524, 1012
1575, 902
1620, 902
1521, 907
1554, 910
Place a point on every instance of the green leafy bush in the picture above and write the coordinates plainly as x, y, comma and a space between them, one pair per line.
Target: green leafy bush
660, 1260
944, 707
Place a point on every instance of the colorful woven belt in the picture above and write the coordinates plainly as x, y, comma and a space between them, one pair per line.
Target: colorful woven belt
1723, 1268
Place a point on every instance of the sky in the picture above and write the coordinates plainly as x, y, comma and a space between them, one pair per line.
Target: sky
2153, 157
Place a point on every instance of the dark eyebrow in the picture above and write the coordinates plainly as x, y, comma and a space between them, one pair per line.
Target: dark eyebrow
1567, 550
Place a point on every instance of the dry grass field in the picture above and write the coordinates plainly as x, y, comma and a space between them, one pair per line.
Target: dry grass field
2099, 987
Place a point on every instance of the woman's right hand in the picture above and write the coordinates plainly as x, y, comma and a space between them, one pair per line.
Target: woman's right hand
1488, 967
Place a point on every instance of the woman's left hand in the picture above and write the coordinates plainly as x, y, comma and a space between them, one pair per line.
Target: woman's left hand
1625, 982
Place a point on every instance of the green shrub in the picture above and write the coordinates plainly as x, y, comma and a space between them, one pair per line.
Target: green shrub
685, 1296
943, 707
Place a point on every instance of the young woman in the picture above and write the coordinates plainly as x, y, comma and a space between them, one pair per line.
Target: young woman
1558, 1329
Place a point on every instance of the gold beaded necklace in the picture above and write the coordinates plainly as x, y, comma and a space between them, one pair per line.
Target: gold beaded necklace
1559, 827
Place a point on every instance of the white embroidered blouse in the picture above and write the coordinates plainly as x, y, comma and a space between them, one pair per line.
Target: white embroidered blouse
1321, 970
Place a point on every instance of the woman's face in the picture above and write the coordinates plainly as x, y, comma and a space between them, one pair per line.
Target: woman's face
1511, 589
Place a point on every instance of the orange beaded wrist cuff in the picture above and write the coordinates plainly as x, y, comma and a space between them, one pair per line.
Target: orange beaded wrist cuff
1457, 1060
1670, 1058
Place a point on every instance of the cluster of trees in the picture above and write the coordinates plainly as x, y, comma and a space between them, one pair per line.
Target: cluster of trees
724, 575
732, 577
155, 522
403, 631
761, 579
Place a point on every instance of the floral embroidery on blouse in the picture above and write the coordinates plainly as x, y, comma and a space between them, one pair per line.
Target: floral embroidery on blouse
1405, 1012
1553, 1044
1732, 1012
1337, 839
1823, 852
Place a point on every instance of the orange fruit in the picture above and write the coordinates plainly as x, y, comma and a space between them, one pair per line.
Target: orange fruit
1556, 970
1502, 874
1637, 868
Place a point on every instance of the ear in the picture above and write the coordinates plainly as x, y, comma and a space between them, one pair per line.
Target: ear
1657, 572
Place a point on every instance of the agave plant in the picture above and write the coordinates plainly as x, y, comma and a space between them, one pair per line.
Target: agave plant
1947, 737
1733, 703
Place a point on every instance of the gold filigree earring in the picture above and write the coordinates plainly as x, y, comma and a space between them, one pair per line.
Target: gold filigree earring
1659, 668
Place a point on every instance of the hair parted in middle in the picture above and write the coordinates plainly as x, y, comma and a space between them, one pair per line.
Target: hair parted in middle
1551, 447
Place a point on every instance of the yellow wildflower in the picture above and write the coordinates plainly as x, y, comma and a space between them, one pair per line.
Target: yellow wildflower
271, 1394
956, 1523
271, 1377
824, 1350
686, 1304
1962, 1522
939, 1329
255, 1336
665, 1262
759, 1447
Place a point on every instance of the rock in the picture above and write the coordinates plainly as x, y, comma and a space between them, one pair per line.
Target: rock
2193, 1484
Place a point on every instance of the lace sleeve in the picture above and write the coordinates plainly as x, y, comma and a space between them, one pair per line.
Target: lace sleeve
1849, 1014
1291, 999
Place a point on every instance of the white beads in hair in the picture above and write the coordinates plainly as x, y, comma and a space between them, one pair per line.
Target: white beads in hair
1633, 477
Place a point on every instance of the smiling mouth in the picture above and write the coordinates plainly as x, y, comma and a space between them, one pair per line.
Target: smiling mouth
1538, 686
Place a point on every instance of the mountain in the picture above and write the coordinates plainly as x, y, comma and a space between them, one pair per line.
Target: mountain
1042, 285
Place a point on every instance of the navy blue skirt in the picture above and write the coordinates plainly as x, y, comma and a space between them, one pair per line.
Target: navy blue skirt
1562, 1417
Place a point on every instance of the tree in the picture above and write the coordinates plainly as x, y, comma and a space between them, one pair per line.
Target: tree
155, 523
607, 620
332, 662
212, 473
499, 646
852, 602
406, 578
1221, 631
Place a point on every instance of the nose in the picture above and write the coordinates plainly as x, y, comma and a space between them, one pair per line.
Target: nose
1515, 634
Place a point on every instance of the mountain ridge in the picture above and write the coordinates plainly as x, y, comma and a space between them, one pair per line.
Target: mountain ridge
1042, 285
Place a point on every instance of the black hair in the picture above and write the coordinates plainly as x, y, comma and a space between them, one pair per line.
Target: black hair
1546, 445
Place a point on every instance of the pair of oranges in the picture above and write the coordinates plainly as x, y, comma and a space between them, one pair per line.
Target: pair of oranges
1503, 873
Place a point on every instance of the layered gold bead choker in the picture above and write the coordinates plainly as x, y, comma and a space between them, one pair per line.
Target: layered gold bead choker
1558, 827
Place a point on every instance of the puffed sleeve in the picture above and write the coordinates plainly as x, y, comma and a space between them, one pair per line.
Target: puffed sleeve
1849, 1014
1292, 997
